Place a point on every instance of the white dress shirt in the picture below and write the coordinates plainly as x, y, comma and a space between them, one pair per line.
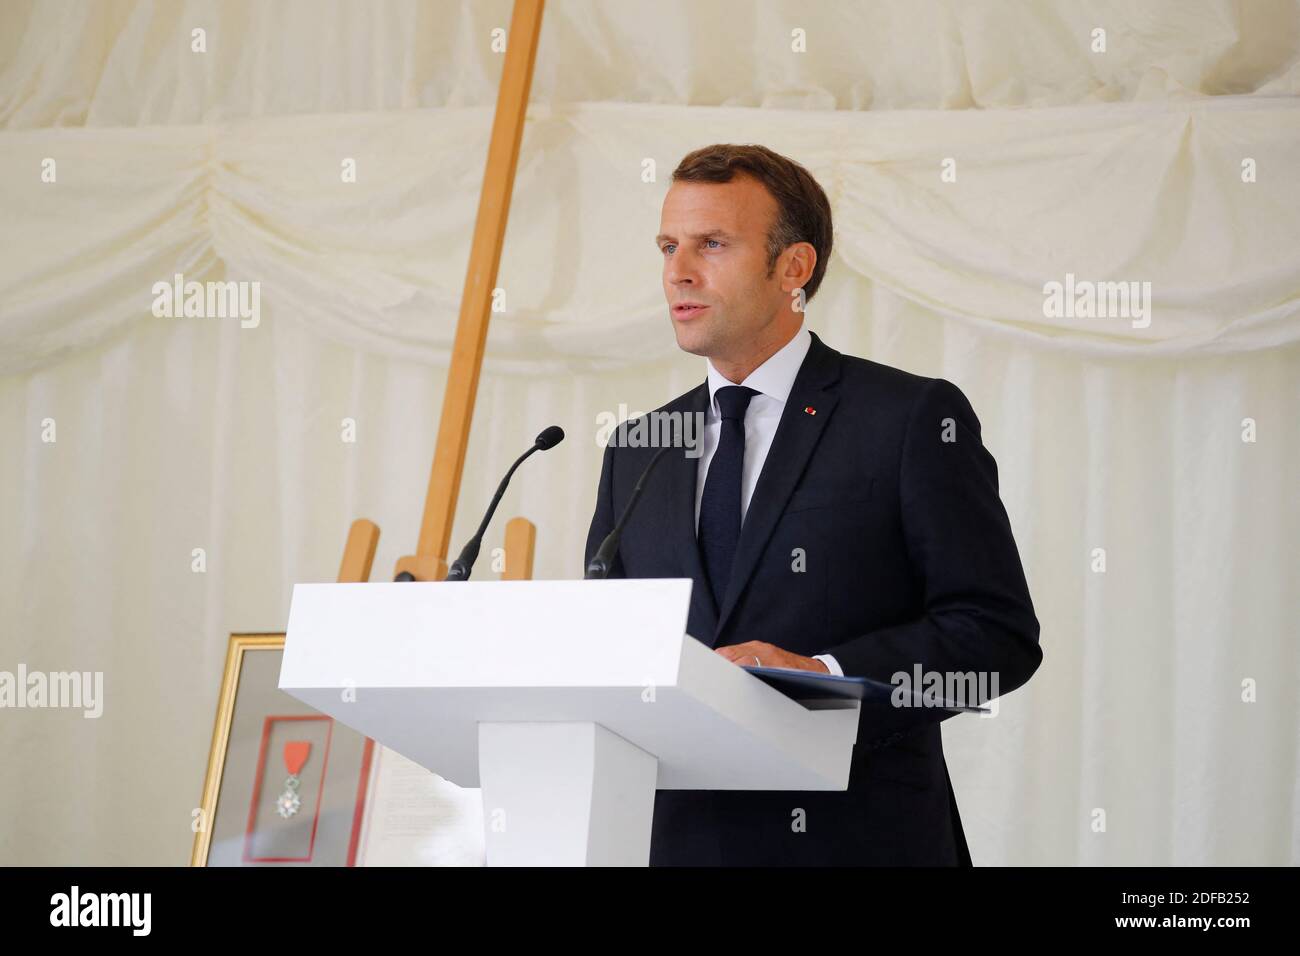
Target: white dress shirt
773, 381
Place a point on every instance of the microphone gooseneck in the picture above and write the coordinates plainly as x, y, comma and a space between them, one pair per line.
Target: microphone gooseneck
460, 568
602, 562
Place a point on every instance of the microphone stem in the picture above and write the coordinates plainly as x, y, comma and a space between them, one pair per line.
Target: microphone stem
501, 490
461, 567
602, 561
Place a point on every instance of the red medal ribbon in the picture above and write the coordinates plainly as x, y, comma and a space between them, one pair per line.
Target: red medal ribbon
295, 755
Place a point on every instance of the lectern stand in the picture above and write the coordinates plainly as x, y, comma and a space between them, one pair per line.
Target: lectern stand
567, 702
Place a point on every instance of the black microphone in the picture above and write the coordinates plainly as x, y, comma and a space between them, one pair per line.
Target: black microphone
603, 560
461, 567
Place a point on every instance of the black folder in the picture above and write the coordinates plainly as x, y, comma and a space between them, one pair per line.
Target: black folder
880, 701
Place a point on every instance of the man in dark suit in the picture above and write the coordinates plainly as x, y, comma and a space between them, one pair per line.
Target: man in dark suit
837, 515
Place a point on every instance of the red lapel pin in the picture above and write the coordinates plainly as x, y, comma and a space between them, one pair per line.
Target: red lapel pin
809, 410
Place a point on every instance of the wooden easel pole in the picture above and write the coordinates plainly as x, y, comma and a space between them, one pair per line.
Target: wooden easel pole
429, 561
520, 536
359, 552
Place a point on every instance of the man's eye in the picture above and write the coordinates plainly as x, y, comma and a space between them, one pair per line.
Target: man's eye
713, 240
667, 246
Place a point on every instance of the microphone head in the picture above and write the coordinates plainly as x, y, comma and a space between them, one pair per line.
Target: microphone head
550, 437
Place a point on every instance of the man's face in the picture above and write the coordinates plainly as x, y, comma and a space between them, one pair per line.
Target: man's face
713, 238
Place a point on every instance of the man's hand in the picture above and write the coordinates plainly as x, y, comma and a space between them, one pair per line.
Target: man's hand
769, 655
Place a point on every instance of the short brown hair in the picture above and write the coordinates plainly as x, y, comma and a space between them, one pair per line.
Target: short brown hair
803, 211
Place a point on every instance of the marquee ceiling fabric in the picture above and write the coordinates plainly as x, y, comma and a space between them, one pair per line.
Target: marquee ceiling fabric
129, 63
1156, 197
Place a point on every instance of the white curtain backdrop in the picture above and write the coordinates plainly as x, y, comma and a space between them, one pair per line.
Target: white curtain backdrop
129, 62
1172, 159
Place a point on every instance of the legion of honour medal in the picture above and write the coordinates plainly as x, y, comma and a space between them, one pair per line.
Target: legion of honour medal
295, 755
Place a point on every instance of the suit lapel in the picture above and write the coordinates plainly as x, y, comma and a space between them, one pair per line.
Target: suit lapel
683, 475
796, 436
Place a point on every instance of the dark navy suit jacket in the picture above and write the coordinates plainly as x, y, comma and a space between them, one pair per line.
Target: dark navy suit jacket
907, 558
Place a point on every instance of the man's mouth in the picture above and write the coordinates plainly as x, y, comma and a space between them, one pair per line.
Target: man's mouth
687, 310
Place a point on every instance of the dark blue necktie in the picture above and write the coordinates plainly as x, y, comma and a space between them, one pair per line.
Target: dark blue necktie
720, 503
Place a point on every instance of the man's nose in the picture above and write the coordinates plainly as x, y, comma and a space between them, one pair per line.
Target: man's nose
681, 269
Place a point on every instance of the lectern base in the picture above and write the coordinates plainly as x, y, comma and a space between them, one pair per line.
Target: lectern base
564, 794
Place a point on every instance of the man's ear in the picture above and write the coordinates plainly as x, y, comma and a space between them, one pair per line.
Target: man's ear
800, 260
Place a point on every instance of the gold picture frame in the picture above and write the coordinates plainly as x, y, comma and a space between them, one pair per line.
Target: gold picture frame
352, 752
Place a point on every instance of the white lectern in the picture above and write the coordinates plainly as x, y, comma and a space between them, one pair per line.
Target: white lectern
567, 702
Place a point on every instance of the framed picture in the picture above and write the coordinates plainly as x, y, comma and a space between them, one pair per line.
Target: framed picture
285, 785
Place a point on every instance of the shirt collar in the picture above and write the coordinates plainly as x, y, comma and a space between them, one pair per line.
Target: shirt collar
775, 377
